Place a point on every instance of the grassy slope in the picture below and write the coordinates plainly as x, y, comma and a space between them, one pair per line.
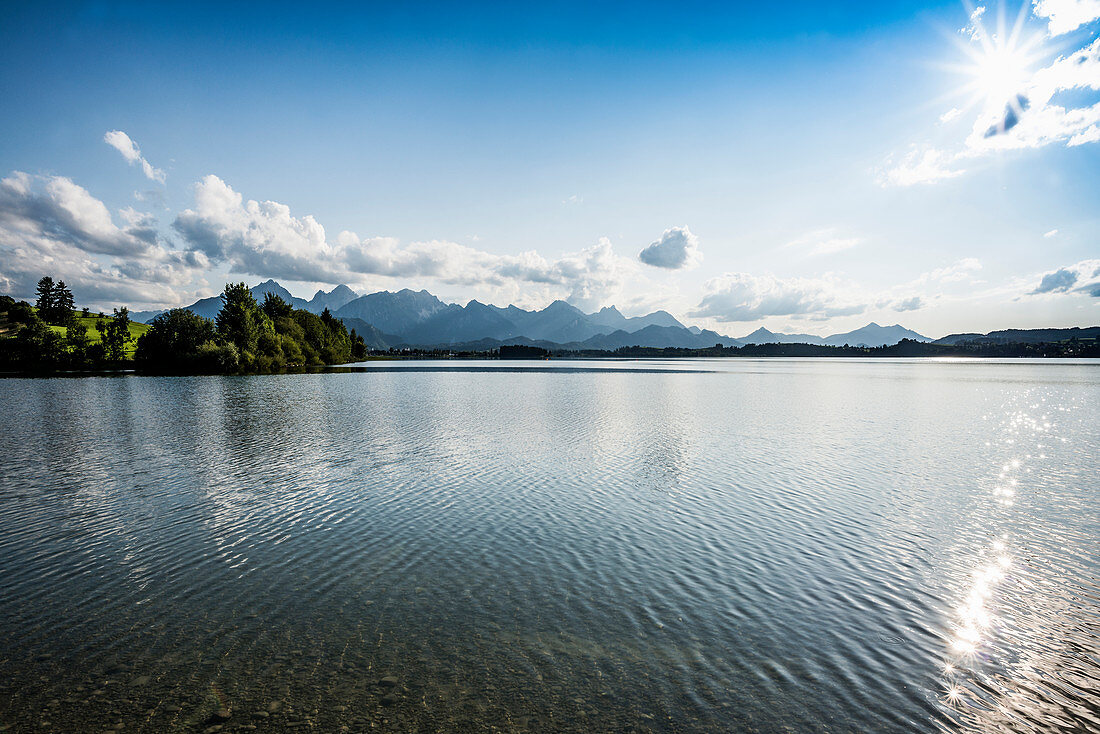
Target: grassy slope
136, 330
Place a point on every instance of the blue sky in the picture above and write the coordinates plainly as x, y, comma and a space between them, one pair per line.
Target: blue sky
810, 169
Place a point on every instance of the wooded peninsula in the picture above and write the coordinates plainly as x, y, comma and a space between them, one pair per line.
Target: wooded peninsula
245, 337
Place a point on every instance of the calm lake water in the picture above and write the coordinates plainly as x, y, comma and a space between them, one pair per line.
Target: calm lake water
785, 545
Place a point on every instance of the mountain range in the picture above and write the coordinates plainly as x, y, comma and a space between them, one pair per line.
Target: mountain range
871, 335
417, 318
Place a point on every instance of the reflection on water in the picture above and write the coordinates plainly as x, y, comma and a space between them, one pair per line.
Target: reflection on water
711, 545
1024, 649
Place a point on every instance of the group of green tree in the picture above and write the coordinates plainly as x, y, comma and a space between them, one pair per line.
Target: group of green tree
36, 345
245, 337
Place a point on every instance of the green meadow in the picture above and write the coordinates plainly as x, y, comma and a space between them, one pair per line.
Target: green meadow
135, 330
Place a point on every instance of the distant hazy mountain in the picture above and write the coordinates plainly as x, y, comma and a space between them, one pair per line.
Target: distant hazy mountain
393, 313
372, 337
763, 336
650, 336
144, 317
608, 316
421, 319
333, 300
657, 318
873, 335
455, 324
1024, 336
657, 336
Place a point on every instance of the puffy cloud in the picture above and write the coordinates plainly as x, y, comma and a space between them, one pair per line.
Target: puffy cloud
265, 239
912, 303
66, 211
1011, 117
122, 142
1081, 277
51, 225
261, 238
1051, 233
1064, 16
594, 276
747, 297
677, 249
1059, 281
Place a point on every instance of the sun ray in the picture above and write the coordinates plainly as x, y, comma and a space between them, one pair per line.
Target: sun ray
998, 59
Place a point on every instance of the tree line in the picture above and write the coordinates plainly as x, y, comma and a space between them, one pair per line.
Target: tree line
247, 337
244, 337
904, 348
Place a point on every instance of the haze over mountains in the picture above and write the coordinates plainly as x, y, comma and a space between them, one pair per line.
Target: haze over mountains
417, 318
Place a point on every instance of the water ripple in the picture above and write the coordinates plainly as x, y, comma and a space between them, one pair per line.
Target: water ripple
714, 545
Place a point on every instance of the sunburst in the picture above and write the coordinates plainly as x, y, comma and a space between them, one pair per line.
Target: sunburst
1000, 62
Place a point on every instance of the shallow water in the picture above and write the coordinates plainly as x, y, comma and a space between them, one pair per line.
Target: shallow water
808, 545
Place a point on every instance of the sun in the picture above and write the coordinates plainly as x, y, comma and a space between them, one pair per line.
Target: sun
1000, 61
1001, 73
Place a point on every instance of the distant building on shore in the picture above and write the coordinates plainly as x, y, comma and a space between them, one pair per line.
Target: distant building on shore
520, 351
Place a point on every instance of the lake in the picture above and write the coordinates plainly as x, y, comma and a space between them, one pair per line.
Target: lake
763, 545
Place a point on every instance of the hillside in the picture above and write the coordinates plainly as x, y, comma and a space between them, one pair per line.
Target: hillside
135, 329
1024, 336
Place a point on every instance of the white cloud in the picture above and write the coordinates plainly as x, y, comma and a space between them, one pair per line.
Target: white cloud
973, 27
823, 242
677, 249
1051, 233
950, 115
122, 142
66, 211
265, 239
261, 238
957, 271
1081, 277
913, 303
747, 297
1064, 16
920, 167
53, 226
